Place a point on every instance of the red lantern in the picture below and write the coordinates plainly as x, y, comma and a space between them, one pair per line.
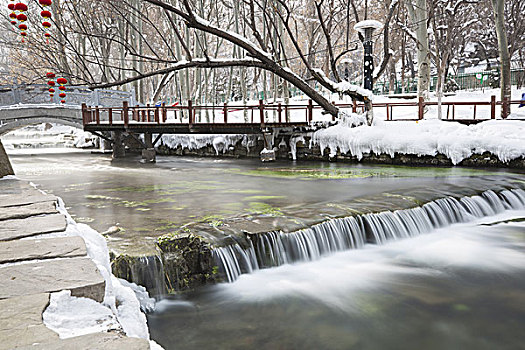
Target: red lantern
11, 7
47, 35
46, 24
22, 27
45, 14
20, 7
62, 94
51, 90
45, 2
23, 33
21, 17
63, 88
12, 15
51, 83
50, 75
13, 23
62, 101
62, 81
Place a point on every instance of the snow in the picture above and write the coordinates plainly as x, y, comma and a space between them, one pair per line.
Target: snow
40, 105
234, 35
48, 135
369, 23
344, 86
70, 316
147, 304
503, 138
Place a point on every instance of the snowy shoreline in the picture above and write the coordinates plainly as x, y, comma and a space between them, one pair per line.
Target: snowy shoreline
502, 138
71, 316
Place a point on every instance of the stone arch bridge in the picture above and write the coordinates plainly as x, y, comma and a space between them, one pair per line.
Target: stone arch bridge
23, 105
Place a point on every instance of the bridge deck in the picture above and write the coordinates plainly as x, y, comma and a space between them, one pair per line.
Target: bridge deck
184, 119
194, 128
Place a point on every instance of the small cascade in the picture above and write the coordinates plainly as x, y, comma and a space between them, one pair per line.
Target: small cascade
148, 271
278, 248
234, 260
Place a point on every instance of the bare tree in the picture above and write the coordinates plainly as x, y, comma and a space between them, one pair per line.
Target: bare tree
419, 16
503, 46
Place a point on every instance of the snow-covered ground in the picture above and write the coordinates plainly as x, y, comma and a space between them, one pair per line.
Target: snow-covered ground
48, 136
297, 111
503, 138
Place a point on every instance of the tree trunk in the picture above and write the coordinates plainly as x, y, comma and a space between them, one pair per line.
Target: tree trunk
418, 14
499, 18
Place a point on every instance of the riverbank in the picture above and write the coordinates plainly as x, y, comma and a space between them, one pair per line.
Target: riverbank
57, 289
495, 143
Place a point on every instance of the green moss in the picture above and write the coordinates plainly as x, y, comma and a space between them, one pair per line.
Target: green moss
264, 209
461, 307
334, 173
261, 198
100, 197
213, 220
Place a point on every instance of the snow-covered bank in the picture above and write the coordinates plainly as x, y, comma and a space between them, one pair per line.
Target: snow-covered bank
48, 136
502, 138
121, 309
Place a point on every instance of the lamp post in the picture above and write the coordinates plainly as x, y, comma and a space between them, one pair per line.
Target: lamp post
366, 28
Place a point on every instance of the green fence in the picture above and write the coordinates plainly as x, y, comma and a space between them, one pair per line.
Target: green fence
465, 81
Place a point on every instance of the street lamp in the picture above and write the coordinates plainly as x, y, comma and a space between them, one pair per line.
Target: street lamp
366, 28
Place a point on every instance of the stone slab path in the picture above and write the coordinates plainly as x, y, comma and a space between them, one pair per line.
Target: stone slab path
21, 321
42, 248
80, 275
31, 226
32, 267
25, 211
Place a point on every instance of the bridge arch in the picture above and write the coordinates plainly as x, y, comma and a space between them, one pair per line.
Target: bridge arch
16, 118
12, 126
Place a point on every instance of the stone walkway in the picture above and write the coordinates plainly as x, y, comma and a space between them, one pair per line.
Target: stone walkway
32, 266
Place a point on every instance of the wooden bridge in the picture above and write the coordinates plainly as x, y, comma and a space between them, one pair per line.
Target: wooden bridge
249, 119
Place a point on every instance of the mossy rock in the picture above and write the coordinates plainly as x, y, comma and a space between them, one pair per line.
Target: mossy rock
188, 261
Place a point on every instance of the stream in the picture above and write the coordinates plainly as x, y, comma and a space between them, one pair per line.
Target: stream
456, 287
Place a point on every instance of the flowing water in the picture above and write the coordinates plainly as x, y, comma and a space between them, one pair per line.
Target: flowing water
361, 257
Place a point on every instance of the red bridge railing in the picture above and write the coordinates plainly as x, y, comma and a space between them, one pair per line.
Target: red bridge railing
265, 113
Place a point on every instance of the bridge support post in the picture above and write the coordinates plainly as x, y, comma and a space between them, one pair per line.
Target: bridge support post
118, 145
268, 153
148, 154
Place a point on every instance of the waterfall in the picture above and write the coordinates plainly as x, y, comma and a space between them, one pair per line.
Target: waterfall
234, 260
148, 271
278, 248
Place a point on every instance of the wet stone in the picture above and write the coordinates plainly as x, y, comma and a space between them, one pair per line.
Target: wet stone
21, 321
80, 275
99, 341
16, 193
43, 248
35, 225
25, 211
